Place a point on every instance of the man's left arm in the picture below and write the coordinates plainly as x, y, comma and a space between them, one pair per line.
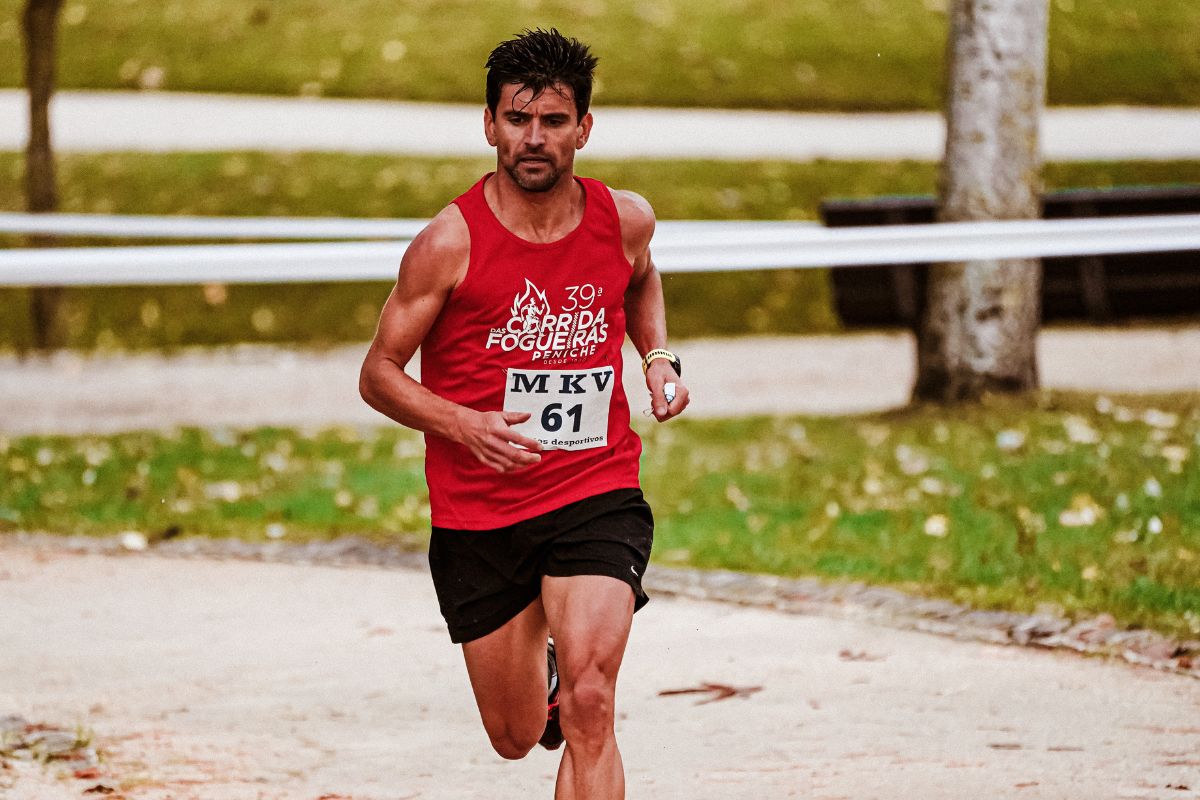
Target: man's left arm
645, 311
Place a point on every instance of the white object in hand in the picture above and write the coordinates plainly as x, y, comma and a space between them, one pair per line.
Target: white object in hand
669, 392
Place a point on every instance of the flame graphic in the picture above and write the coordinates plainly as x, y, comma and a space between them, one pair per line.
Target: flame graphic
531, 296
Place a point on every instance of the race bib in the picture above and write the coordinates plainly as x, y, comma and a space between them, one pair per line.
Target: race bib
568, 408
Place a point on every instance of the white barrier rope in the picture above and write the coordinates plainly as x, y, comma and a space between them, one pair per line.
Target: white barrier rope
678, 247
150, 227
300, 228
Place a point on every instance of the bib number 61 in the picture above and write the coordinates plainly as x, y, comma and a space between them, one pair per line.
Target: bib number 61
552, 420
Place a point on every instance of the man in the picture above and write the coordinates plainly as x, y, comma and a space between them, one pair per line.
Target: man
520, 294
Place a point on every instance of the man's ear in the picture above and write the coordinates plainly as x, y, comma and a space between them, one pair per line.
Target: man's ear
489, 126
585, 130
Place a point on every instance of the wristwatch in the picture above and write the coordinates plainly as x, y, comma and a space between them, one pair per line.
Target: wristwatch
671, 358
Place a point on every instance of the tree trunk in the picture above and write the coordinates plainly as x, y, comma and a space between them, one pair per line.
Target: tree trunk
981, 317
40, 27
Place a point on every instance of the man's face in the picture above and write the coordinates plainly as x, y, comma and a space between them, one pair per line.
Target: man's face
536, 137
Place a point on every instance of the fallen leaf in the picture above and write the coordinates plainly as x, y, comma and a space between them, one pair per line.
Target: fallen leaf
937, 525
859, 655
1083, 512
719, 691
1009, 440
133, 540
1160, 419
737, 497
1080, 431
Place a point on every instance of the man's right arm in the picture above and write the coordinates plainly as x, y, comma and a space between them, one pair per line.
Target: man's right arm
434, 264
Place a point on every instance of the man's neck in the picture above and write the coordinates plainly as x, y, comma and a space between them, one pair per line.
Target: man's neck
536, 216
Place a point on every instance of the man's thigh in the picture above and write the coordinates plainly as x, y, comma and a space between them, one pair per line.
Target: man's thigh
590, 617
507, 668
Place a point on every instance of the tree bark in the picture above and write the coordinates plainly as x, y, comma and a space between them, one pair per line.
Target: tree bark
40, 29
981, 318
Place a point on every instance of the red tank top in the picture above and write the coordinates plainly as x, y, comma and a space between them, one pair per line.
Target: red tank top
534, 327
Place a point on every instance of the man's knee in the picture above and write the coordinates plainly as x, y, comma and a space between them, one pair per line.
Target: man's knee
513, 735
514, 745
586, 708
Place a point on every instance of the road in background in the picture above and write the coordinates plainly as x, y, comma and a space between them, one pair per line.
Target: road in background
173, 122
253, 385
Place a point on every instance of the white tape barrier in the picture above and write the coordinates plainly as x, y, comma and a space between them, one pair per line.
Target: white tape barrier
300, 228
687, 247
919, 244
149, 227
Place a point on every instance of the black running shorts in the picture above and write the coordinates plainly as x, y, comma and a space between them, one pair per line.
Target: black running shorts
485, 578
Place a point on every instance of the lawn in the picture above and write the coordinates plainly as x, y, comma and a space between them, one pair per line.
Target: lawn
1084, 503
849, 55
254, 184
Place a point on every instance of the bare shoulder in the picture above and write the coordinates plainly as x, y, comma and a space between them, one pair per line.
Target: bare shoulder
637, 220
445, 237
433, 265
440, 252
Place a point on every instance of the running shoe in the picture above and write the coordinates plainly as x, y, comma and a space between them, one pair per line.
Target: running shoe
552, 737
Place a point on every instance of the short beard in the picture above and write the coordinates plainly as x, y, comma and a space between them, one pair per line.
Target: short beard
537, 185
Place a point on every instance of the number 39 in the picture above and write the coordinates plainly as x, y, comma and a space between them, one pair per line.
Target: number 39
580, 297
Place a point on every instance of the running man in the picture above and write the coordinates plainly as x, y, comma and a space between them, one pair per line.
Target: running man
519, 295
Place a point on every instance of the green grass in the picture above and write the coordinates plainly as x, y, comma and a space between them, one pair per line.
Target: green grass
255, 184
1085, 503
850, 55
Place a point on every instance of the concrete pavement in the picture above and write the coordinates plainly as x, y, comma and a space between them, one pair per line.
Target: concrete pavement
85, 121
211, 680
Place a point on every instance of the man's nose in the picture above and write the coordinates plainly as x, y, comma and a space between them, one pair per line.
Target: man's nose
535, 135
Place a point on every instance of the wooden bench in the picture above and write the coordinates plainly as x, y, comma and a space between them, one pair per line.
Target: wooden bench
1096, 288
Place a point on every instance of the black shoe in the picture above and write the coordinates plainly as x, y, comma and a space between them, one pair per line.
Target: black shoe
552, 737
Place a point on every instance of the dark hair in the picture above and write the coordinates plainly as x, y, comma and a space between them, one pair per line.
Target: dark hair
539, 59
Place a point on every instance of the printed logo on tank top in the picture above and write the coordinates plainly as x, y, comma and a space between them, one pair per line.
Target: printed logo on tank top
567, 329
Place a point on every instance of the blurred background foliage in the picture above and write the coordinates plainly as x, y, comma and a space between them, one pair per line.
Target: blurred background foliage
850, 55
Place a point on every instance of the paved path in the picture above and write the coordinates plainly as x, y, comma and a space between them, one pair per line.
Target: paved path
209, 680
253, 385
169, 122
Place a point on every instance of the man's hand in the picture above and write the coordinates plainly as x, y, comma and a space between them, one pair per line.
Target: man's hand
658, 375
490, 438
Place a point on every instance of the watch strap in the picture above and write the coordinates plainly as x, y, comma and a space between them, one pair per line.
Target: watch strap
658, 353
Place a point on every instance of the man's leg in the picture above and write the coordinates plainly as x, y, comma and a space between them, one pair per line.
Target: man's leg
508, 675
590, 617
